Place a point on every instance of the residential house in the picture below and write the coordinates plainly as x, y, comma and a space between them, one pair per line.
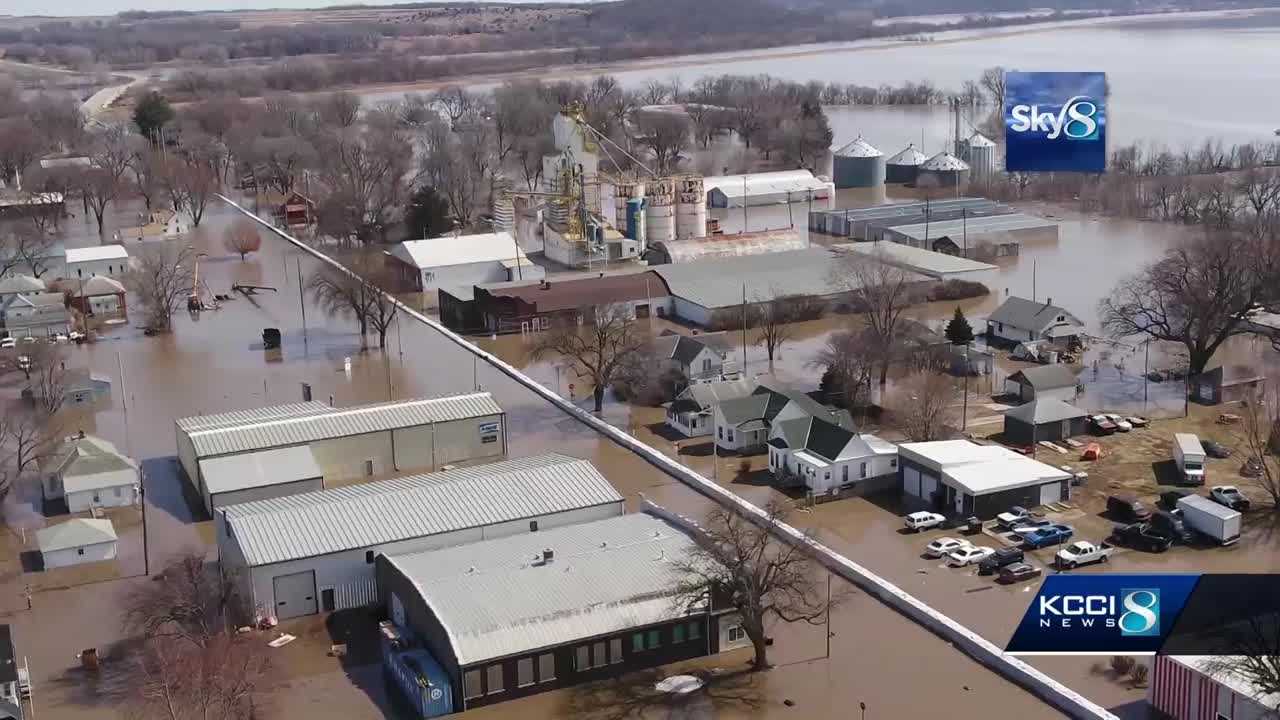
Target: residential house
692, 413
452, 260
1045, 381
86, 262
743, 424
10, 687
293, 210
1018, 320
39, 315
515, 616
827, 458
79, 387
159, 224
963, 478
76, 541
699, 358
1045, 418
99, 297
89, 472
20, 285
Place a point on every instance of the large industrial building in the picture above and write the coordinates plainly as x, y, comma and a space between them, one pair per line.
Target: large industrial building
313, 552
761, 242
462, 260
768, 188
513, 617
249, 455
962, 478
862, 223
925, 262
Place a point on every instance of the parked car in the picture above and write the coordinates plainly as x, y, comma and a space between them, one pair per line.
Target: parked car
918, 521
1102, 425
1083, 552
1001, 557
1017, 572
1127, 508
944, 545
1136, 421
1230, 496
1215, 449
1121, 424
24, 682
1013, 516
1170, 498
8, 343
1251, 468
1046, 536
968, 555
1170, 523
1026, 526
1142, 536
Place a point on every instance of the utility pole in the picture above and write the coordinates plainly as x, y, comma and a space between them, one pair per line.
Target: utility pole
744, 203
744, 329
964, 416
1146, 365
301, 303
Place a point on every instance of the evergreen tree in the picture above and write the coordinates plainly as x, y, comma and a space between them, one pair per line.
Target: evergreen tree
151, 114
959, 331
427, 215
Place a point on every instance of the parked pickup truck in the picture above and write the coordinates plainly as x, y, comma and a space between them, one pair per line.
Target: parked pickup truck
1083, 552
1142, 536
1046, 536
1013, 516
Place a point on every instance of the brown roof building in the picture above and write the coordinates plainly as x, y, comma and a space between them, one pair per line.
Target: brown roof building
523, 307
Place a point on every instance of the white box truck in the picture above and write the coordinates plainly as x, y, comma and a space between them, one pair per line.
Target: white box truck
1189, 455
1210, 519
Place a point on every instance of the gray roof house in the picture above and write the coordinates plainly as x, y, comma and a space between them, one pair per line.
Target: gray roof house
691, 412
1045, 418
1018, 320
826, 457
1056, 381
36, 315
697, 357
88, 472
743, 424
21, 285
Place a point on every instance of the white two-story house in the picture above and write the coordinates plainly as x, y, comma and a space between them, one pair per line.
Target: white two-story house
692, 413
700, 358
826, 458
743, 425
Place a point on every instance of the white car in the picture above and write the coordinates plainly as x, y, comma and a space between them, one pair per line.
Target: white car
1121, 424
918, 521
969, 555
8, 342
944, 545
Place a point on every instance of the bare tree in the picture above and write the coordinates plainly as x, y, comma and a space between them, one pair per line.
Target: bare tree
1260, 434
20, 145
849, 360
665, 135
924, 406
360, 292
189, 599
882, 292
599, 347
340, 109
46, 373
99, 188
365, 174
455, 101
162, 277
742, 563
773, 319
242, 238
1197, 295
993, 82
26, 438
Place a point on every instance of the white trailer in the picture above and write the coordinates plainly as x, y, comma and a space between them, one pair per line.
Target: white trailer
1189, 454
1208, 518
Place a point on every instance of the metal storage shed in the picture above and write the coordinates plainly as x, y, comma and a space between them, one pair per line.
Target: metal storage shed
76, 541
767, 188
1043, 419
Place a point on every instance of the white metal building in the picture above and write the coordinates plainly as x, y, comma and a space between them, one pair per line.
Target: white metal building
1189, 687
87, 262
89, 472
364, 441
311, 552
964, 478
465, 260
769, 188
75, 542
232, 479
926, 262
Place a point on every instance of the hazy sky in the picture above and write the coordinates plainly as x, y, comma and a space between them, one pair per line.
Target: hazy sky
111, 7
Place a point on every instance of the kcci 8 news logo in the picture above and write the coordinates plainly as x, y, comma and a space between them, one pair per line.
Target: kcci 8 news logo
1133, 612
1055, 121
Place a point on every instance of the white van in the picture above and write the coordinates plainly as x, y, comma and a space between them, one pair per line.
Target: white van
1189, 455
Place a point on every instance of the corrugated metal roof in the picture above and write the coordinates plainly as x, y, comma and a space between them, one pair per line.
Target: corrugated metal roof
309, 426
96, 253
459, 250
909, 156
944, 162
276, 466
928, 262
77, 532
749, 243
376, 513
973, 226
244, 417
859, 148
496, 598
979, 140
783, 181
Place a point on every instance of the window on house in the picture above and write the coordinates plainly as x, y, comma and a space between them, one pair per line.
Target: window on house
677, 634
706, 365
597, 655
637, 642
862, 470
533, 526
79, 551
493, 676
546, 667
524, 672
826, 475
654, 638
368, 557
695, 630
582, 658
615, 650
118, 492
730, 434
737, 634
97, 498
720, 432
368, 468
893, 462
844, 474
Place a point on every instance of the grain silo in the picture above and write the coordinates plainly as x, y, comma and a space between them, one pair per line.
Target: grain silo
625, 190
858, 165
942, 170
660, 210
501, 204
980, 153
691, 207
903, 167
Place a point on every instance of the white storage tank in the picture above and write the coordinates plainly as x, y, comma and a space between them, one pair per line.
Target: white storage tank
691, 207
858, 165
903, 167
943, 170
660, 210
625, 190
501, 205
980, 153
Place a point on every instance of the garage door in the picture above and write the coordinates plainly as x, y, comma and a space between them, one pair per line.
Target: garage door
1050, 493
295, 594
911, 481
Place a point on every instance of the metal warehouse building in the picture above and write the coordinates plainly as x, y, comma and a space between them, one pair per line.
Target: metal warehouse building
252, 455
522, 615
963, 478
301, 554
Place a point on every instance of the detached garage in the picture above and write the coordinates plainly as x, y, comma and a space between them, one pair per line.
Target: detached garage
958, 477
76, 542
1044, 419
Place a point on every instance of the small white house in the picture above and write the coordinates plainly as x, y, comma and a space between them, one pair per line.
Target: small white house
826, 458
89, 472
1056, 382
692, 412
36, 315
700, 358
75, 542
1018, 320
87, 262
464, 260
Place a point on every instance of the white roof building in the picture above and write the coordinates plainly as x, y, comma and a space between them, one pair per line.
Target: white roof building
96, 253
767, 188
980, 480
75, 542
465, 260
